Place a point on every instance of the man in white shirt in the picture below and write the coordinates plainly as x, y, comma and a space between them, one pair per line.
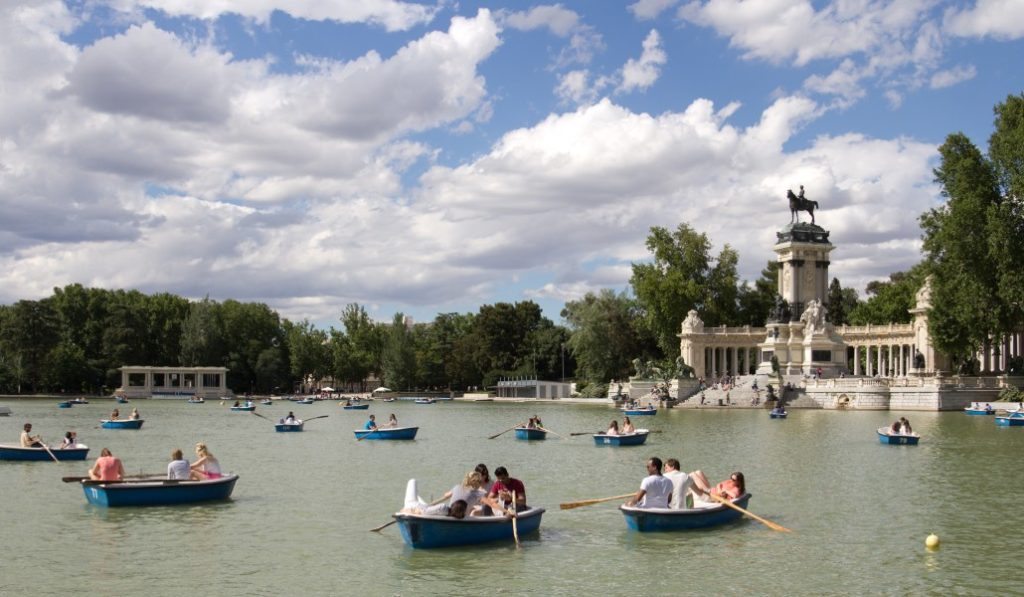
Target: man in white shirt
654, 489
681, 484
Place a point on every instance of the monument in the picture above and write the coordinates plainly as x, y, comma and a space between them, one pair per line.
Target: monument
799, 333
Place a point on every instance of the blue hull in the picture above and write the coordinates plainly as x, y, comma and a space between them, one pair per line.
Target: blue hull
1013, 421
427, 532
283, 428
158, 492
663, 519
633, 439
126, 424
356, 407
242, 409
524, 433
640, 412
976, 412
63, 405
897, 440
778, 415
400, 433
35, 454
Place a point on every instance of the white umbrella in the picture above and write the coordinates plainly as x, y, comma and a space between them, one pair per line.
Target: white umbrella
382, 389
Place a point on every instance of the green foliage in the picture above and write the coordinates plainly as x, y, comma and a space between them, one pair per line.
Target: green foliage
684, 276
889, 300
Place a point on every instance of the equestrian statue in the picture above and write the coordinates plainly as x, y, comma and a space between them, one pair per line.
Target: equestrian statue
798, 203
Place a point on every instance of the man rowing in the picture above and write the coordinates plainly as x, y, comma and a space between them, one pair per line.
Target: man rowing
655, 489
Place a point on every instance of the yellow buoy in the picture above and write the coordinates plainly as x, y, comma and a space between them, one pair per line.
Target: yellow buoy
932, 542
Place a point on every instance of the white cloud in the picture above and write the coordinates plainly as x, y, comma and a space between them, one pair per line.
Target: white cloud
953, 76
391, 14
1001, 19
556, 18
644, 72
650, 9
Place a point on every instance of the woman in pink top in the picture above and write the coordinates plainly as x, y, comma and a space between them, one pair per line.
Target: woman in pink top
107, 467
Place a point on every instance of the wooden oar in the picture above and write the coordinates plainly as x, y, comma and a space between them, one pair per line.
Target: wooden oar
515, 517
47, 448
580, 503
764, 521
503, 432
387, 524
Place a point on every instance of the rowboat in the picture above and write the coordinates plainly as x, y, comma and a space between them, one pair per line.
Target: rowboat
423, 531
886, 437
387, 433
355, 407
530, 433
243, 408
13, 452
778, 414
65, 404
648, 520
121, 423
639, 412
1015, 419
425, 401
283, 427
626, 439
157, 491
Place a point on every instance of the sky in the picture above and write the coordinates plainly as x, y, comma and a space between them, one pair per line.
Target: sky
427, 158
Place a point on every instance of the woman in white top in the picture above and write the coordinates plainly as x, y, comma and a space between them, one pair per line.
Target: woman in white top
207, 467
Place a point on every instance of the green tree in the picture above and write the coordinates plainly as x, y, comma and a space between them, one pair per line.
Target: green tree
684, 276
605, 335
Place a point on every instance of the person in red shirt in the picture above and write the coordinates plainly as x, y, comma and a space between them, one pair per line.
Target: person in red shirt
505, 486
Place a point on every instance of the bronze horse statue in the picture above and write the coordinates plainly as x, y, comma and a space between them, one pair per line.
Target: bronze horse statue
798, 204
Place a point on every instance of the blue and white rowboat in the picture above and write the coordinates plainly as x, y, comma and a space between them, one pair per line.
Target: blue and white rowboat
122, 424
157, 491
640, 412
387, 433
12, 452
1013, 420
628, 439
423, 531
886, 437
666, 519
530, 433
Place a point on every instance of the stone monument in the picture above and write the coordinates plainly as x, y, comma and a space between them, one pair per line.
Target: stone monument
799, 333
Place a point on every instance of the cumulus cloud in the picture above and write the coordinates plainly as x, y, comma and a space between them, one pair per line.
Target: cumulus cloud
645, 10
953, 76
643, 72
390, 14
1001, 19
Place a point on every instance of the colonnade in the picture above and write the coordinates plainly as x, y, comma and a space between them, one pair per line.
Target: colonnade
730, 360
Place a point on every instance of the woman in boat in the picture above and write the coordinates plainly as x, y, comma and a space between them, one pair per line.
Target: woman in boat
107, 467
392, 421
906, 426
613, 428
115, 414
627, 426
135, 414
207, 466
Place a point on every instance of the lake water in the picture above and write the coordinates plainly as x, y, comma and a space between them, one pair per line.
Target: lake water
299, 518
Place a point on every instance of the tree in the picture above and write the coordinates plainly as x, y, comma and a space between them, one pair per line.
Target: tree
683, 276
974, 242
604, 335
